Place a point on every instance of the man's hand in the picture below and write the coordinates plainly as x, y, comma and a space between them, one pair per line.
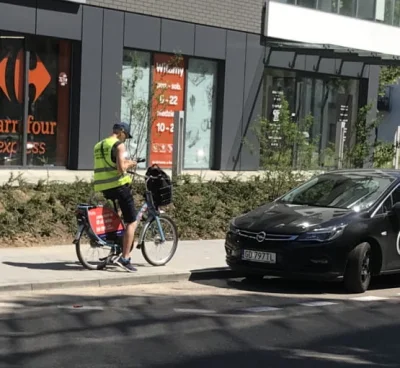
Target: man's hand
130, 163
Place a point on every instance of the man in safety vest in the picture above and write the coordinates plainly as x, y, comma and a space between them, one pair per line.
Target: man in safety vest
111, 179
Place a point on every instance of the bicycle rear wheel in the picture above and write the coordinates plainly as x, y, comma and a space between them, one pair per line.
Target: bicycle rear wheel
86, 247
152, 237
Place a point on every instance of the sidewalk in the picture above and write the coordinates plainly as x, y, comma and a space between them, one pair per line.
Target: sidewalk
41, 268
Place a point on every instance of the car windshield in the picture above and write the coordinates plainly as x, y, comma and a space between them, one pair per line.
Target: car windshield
355, 191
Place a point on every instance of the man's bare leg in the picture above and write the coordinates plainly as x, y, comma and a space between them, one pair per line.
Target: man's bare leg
128, 239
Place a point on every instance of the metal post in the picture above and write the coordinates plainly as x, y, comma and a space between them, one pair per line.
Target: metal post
25, 106
177, 153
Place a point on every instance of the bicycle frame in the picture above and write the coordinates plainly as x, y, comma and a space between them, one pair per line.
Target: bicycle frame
82, 214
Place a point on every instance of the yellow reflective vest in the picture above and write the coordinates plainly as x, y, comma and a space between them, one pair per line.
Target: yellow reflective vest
106, 175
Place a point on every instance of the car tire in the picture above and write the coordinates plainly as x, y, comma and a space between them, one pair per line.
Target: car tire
358, 275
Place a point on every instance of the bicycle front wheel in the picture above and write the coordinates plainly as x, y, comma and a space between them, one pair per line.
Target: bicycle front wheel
153, 247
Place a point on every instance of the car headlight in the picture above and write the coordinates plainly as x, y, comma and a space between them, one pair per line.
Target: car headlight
323, 235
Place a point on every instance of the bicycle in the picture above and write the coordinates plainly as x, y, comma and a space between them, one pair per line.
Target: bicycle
105, 227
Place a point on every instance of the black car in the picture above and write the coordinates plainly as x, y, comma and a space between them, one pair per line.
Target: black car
341, 225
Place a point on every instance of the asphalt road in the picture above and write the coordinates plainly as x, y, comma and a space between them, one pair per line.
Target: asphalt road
226, 323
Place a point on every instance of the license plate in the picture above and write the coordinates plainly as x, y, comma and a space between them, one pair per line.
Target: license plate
256, 256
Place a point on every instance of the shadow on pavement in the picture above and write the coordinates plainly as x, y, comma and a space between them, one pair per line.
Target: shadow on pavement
62, 266
298, 358
143, 331
56, 266
277, 285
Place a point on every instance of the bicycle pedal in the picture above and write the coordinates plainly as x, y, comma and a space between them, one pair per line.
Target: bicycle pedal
139, 246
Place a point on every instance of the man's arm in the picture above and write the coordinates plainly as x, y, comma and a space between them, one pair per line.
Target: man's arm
122, 163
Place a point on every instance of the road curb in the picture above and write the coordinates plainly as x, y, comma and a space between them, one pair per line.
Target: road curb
214, 273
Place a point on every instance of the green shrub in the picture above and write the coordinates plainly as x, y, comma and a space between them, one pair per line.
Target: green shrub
44, 212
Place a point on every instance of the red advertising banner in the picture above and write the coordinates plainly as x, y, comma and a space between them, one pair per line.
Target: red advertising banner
104, 220
168, 97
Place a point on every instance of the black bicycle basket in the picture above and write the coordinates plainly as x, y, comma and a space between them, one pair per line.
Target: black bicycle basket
160, 186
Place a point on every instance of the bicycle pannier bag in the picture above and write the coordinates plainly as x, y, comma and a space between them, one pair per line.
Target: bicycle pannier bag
160, 186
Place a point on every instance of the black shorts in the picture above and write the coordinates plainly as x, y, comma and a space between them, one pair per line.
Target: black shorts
125, 201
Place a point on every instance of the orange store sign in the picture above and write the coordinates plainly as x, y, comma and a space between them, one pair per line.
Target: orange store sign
169, 85
39, 77
11, 127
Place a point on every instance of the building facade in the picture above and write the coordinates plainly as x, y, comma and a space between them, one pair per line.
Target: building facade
70, 69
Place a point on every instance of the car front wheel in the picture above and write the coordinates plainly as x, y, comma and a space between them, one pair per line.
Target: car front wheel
358, 275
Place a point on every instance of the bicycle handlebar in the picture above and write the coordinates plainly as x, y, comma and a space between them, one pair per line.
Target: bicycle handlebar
133, 172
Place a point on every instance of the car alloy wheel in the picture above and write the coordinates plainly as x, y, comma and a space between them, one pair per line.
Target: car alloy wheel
365, 268
358, 273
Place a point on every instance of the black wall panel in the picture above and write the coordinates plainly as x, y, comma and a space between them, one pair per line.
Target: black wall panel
59, 19
91, 71
252, 101
142, 32
233, 99
18, 18
210, 42
177, 37
112, 54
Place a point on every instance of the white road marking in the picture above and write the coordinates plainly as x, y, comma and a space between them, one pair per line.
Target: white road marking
369, 298
80, 307
11, 305
188, 310
260, 309
334, 358
317, 304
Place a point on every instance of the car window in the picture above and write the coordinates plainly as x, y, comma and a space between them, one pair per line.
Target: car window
316, 191
386, 206
396, 196
356, 191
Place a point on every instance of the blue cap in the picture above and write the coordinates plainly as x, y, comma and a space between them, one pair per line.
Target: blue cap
123, 126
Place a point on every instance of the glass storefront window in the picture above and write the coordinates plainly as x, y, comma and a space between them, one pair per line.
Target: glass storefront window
11, 110
384, 11
396, 15
200, 113
154, 86
366, 10
324, 99
135, 100
330, 6
47, 117
307, 3
348, 7
48, 120
388, 12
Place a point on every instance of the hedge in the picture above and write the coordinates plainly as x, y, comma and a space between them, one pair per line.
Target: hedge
43, 213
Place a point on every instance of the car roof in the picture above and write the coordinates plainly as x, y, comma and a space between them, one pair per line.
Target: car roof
394, 174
